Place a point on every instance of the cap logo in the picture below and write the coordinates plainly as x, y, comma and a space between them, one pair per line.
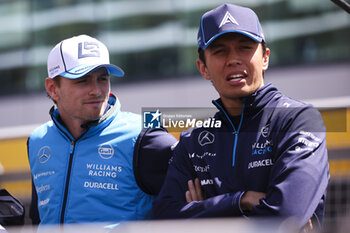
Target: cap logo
88, 49
228, 18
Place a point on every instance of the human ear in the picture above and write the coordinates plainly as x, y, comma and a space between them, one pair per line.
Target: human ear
202, 68
266, 59
51, 89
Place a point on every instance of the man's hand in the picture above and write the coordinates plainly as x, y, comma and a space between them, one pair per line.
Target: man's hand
194, 192
308, 227
251, 199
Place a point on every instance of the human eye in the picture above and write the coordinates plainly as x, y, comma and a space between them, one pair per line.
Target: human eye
218, 50
80, 81
103, 78
246, 47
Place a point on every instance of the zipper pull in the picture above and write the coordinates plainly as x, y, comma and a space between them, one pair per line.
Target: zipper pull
71, 148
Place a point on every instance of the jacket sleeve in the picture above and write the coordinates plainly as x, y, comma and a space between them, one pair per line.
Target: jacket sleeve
151, 158
33, 209
300, 174
171, 201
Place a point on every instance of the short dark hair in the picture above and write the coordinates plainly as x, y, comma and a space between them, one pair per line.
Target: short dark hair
57, 80
202, 57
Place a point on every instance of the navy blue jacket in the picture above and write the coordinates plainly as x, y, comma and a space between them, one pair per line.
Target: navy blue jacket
277, 146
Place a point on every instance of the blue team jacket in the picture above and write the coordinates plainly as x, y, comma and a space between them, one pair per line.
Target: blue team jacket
89, 179
277, 146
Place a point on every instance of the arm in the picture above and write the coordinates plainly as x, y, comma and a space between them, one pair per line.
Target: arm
152, 152
248, 201
172, 202
33, 209
300, 173
194, 192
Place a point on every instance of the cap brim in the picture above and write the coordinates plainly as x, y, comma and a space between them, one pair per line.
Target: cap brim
81, 71
257, 39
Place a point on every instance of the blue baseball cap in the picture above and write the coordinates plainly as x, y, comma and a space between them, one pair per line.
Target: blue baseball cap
228, 18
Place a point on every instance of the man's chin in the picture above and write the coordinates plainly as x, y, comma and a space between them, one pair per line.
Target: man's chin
93, 117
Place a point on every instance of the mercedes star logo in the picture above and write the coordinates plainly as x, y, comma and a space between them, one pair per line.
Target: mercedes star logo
205, 138
44, 154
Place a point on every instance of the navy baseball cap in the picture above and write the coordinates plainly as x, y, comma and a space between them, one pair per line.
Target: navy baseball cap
228, 18
77, 56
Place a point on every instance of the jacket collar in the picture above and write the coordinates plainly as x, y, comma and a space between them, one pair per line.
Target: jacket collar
260, 97
257, 100
252, 103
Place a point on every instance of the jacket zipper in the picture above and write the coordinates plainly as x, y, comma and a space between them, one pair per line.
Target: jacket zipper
71, 153
235, 132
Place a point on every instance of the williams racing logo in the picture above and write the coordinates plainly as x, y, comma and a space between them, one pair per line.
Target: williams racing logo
262, 148
44, 154
260, 151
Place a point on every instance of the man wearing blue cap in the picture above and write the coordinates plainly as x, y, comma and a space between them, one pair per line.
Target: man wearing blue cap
91, 162
268, 158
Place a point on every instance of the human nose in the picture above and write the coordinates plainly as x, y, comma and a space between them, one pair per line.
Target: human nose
234, 59
94, 88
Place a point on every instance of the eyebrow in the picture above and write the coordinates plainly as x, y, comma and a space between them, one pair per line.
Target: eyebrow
215, 45
246, 39
103, 73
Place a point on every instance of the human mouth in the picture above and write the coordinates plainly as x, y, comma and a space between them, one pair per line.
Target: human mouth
94, 102
236, 78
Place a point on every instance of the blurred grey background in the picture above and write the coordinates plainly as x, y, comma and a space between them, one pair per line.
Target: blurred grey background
154, 41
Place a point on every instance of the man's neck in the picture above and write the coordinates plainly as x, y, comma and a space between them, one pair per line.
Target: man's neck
75, 129
232, 106
73, 126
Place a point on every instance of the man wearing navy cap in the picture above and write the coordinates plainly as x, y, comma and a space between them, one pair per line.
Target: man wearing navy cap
92, 162
268, 158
